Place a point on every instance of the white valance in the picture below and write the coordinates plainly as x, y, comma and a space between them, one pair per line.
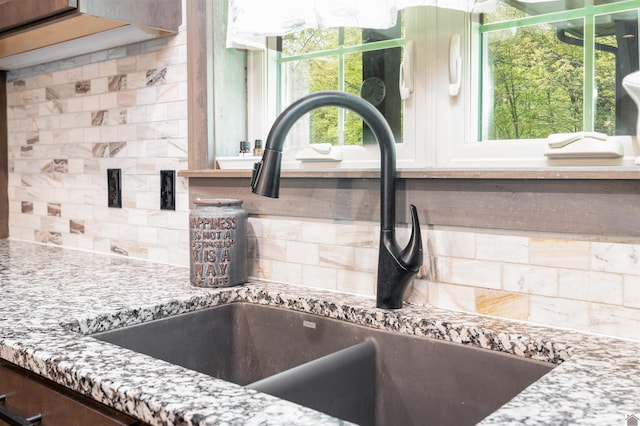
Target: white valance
250, 21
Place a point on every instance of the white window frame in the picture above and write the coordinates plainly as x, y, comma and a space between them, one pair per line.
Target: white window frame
459, 146
261, 106
440, 130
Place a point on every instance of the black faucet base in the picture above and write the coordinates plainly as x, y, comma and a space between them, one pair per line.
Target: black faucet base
396, 268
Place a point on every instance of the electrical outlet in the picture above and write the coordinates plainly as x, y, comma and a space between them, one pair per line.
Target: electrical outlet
114, 184
167, 189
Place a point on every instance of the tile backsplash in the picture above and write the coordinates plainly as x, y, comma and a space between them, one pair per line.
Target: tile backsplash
69, 121
585, 285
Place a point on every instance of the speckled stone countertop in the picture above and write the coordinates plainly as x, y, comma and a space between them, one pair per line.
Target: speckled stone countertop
50, 298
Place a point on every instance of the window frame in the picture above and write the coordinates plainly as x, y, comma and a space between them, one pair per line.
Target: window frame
263, 108
469, 151
589, 15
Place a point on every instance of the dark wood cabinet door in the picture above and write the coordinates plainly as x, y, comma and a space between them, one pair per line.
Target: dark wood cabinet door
15, 13
27, 394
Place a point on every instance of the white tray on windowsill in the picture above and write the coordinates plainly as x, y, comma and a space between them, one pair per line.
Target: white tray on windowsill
237, 163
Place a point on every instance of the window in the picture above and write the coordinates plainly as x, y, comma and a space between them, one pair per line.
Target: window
550, 68
360, 61
529, 69
539, 68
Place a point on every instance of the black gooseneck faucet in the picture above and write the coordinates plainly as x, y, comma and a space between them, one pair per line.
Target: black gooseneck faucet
396, 266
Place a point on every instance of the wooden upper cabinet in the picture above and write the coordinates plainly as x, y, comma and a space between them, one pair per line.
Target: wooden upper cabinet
15, 13
38, 31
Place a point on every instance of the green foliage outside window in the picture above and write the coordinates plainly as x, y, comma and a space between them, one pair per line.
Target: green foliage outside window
326, 59
534, 83
537, 85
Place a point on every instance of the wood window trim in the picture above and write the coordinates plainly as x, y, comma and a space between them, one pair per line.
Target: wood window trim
599, 210
4, 159
199, 156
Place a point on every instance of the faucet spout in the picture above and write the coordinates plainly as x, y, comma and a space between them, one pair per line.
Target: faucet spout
396, 266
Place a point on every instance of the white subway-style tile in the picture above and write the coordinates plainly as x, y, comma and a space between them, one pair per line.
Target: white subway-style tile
304, 253
108, 68
178, 219
439, 269
156, 112
357, 235
335, 256
320, 232
271, 249
146, 234
559, 312
612, 257
600, 287
366, 259
560, 253
615, 321
363, 283
169, 92
99, 85
452, 243
84, 242
319, 277
418, 292
285, 272
454, 297
42, 80
107, 101
502, 248
147, 96
631, 293
285, 229
476, 273
530, 279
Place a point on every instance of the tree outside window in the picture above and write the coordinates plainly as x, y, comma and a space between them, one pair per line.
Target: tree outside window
549, 70
341, 59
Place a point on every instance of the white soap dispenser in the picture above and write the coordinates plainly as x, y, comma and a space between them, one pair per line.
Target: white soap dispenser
631, 84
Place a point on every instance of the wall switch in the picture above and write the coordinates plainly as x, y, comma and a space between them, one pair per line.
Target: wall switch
114, 185
167, 189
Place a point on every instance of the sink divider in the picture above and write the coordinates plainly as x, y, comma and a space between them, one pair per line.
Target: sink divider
342, 384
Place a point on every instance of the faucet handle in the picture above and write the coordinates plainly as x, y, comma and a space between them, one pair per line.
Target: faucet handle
257, 167
411, 256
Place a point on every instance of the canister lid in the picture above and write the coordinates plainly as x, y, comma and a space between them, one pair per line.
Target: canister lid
217, 202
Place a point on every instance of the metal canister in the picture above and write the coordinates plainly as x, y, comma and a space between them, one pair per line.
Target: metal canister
218, 243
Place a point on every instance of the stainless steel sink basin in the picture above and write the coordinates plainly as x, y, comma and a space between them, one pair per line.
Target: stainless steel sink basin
363, 375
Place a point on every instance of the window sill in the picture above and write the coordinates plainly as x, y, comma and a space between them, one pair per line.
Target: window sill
534, 173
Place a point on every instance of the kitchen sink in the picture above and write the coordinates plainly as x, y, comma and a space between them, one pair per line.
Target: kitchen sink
359, 374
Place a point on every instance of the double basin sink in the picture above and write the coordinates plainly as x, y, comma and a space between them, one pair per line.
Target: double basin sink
355, 373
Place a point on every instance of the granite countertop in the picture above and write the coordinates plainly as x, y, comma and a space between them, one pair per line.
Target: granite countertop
51, 298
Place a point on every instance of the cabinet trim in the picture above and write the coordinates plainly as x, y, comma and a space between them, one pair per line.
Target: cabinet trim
48, 35
78, 31
15, 13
